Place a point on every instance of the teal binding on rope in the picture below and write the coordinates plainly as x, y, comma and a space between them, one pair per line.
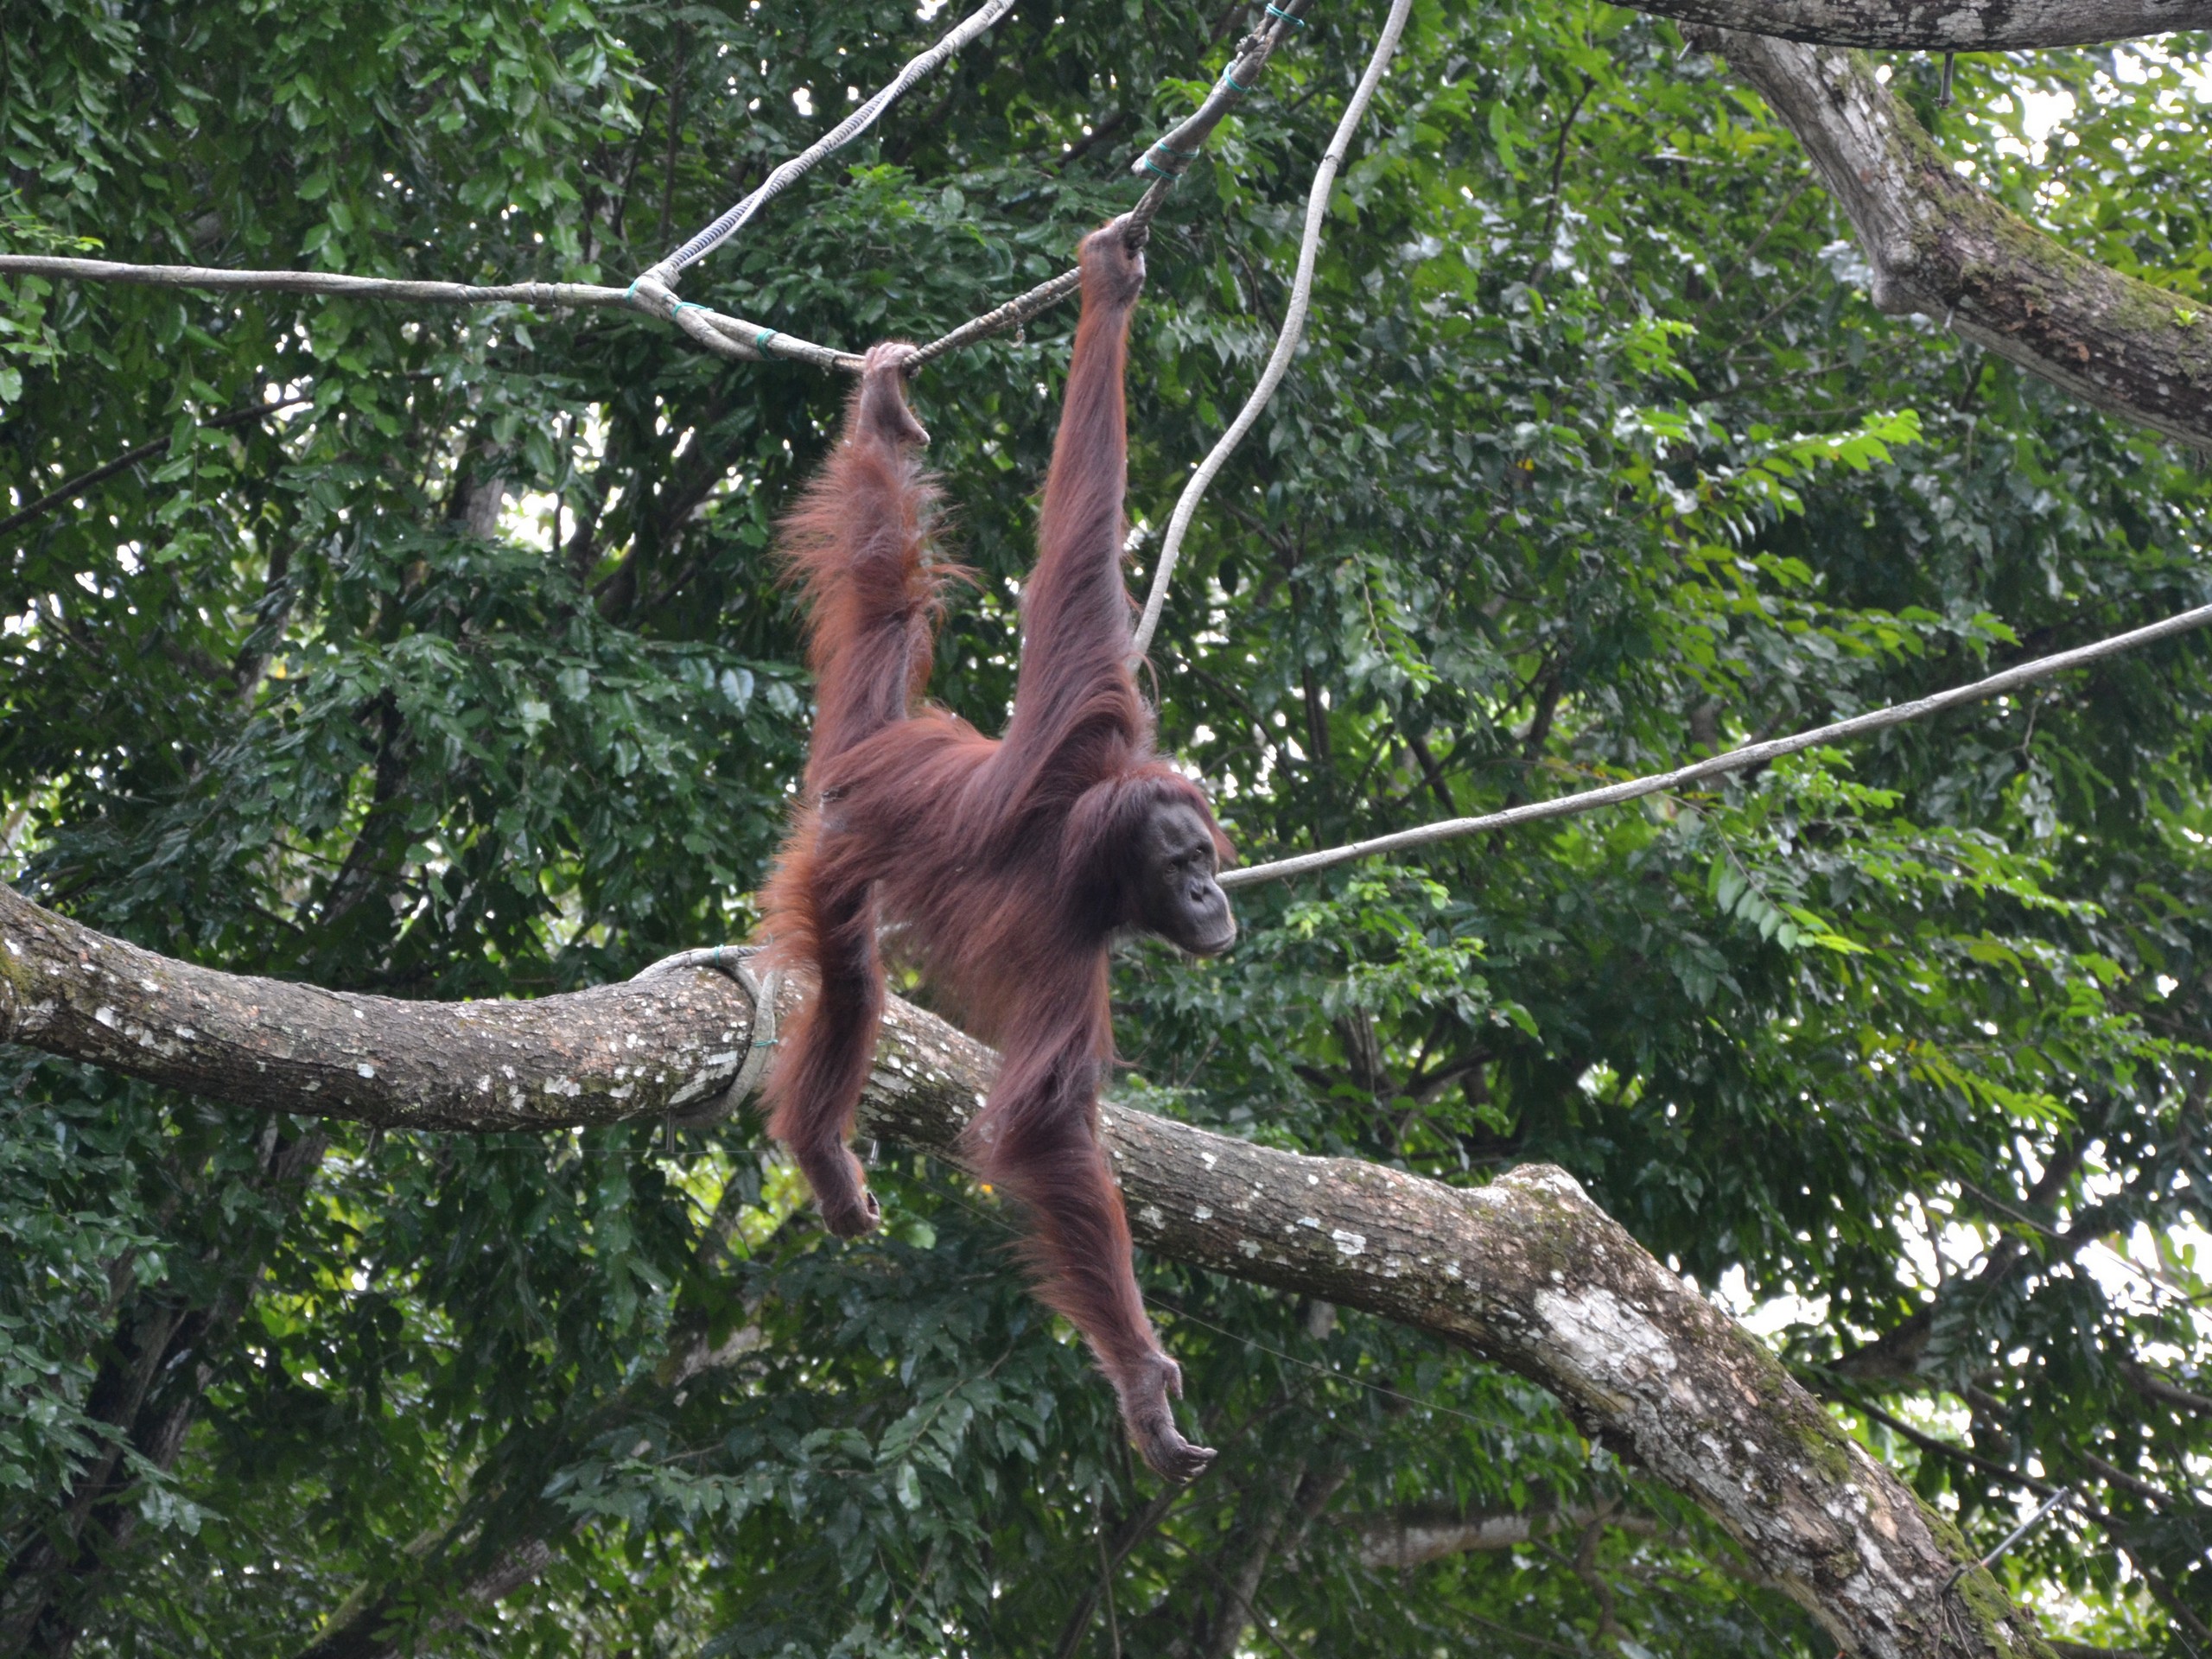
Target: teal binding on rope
1277, 11
1229, 80
760, 340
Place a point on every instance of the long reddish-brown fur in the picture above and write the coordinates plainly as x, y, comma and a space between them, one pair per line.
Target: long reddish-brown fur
1007, 860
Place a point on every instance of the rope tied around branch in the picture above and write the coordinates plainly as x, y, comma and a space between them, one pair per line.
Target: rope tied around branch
1185, 140
733, 960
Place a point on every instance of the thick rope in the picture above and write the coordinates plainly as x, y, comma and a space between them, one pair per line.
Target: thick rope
836, 139
731, 959
1750, 754
1286, 342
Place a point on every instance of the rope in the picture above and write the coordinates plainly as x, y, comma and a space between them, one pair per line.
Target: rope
1750, 754
732, 336
1286, 342
1185, 140
836, 139
729, 959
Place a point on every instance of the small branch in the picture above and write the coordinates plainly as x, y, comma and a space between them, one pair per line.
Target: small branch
1751, 754
1409, 1538
2152, 1386
1559, 168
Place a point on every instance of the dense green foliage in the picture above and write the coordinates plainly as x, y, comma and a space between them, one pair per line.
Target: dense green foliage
469, 674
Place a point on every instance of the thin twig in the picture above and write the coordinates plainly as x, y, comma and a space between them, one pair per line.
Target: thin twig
1750, 754
1559, 168
129, 458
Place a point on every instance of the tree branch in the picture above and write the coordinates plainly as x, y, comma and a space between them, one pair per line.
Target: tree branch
1526, 1272
1941, 245
1944, 25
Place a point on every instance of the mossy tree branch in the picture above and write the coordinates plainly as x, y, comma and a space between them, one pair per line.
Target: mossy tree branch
1940, 245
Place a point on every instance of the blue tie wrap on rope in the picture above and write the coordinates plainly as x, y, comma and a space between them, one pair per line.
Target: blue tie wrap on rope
1277, 11
1182, 159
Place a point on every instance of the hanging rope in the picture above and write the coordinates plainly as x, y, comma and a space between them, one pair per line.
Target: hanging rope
1293, 327
1750, 754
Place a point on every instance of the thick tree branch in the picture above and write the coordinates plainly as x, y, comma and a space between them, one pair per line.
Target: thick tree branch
1938, 244
1526, 1271
1940, 25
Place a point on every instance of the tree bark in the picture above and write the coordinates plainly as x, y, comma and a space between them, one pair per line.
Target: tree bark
1413, 1537
1940, 245
1525, 1271
1940, 25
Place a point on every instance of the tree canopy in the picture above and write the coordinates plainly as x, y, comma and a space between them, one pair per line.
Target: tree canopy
440, 654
